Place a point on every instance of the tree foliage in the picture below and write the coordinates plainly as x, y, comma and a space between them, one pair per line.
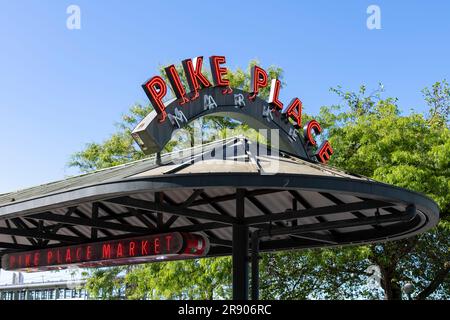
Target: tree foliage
371, 137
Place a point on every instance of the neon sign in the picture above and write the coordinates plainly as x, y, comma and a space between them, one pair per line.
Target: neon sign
205, 98
161, 247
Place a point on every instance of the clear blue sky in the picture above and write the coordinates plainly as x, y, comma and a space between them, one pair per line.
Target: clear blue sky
60, 88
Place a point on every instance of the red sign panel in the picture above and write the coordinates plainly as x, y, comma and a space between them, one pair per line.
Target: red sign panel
160, 247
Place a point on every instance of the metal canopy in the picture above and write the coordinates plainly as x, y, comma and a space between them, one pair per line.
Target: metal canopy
295, 203
284, 201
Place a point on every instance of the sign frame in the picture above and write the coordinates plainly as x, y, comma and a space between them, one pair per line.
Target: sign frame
142, 249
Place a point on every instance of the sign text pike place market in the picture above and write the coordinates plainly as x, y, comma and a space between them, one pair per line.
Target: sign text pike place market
203, 97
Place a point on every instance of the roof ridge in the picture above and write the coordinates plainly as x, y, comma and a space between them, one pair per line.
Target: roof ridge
123, 165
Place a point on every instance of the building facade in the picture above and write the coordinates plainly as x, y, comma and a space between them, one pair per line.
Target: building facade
51, 290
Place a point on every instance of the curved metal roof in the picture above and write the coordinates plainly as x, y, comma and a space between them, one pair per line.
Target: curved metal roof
294, 203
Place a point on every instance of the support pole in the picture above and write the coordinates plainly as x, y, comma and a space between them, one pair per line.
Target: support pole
255, 266
240, 251
158, 158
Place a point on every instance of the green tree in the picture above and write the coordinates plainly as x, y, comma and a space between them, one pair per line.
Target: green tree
372, 138
106, 284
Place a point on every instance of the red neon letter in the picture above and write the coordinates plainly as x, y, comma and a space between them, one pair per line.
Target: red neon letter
194, 76
144, 247
131, 252
106, 251
175, 82
27, 260
258, 80
36, 259
12, 261
49, 257
168, 240
58, 256
68, 256
156, 89
308, 129
218, 73
88, 252
119, 252
157, 246
325, 152
294, 111
274, 94
78, 254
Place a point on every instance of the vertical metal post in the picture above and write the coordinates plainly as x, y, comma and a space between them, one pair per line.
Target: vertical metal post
240, 251
255, 265
158, 158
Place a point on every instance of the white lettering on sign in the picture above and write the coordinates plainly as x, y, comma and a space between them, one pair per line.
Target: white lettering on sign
239, 101
209, 102
293, 134
267, 113
177, 117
